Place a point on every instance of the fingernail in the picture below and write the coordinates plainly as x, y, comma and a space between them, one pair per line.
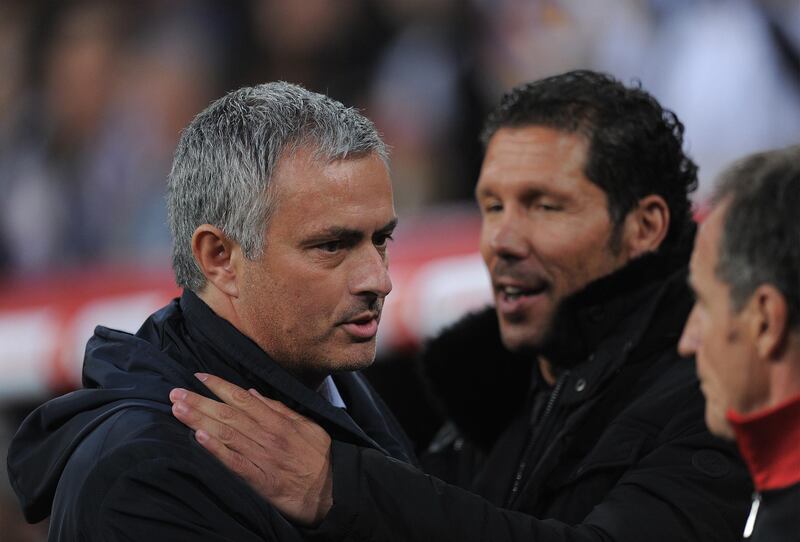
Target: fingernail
254, 392
180, 408
178, 394
201, 436
202, 377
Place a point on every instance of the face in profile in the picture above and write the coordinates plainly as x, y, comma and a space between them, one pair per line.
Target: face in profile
720, 337
313, 299
546, 230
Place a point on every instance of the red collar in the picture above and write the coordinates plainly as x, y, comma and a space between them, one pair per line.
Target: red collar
770, 443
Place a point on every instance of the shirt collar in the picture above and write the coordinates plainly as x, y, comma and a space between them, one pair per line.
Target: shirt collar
330, 392
768, 440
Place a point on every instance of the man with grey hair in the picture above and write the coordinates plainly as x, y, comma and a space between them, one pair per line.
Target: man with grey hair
281, 209
744, 330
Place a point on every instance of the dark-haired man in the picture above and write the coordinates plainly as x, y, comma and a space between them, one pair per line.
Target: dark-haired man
586, 234
744, 330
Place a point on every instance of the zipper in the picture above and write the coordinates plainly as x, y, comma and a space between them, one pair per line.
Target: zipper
751, 519
551, 402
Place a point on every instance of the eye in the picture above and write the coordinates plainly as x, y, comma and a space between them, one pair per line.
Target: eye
330, 247
382, 240
492, 207
547, 207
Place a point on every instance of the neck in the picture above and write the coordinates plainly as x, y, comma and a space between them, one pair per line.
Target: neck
223, 306
548, 371
784, 379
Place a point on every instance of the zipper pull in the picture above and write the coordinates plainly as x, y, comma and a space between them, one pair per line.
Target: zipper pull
751, 519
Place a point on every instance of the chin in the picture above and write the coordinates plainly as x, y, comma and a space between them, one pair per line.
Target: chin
353, 360
520, 337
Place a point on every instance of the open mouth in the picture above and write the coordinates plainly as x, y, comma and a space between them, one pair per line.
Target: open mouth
515, 293
515, 301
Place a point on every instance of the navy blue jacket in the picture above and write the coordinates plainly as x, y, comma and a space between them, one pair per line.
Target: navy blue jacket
110, 462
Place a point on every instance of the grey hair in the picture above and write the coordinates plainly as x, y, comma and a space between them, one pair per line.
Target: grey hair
760, 241
226, 156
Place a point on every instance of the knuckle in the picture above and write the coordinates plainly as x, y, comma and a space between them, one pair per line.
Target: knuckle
240, 396
226, 413
226, 434
238, 464
280, 442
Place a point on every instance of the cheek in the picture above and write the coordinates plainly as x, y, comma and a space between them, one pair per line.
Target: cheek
578, 261
487, 233
721, 363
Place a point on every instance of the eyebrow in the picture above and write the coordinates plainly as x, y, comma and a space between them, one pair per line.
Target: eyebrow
483, 192
349, 234
527, 193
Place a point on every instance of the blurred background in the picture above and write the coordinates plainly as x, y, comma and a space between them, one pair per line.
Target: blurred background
94, 93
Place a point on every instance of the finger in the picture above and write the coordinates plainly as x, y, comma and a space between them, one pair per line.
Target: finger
248, 442
256, 414
238, 398
277, 406
219, 412
233, 460
313, 435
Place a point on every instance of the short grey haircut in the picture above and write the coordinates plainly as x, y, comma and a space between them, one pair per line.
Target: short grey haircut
760, 241
226, 156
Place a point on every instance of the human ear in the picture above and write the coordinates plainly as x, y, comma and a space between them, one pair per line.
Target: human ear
646, 226
217, 256
770, 322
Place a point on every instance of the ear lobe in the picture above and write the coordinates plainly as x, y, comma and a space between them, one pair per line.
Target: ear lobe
771, 322
646, 225
217, 257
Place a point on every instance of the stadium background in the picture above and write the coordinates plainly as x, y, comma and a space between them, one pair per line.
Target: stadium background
94, 93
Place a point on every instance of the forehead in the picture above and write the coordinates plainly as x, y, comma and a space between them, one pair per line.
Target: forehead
311, 191
534, 156
706, 245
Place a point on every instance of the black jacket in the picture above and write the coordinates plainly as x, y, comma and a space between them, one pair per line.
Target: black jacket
617, 451
110, 462
777, 515
769, 440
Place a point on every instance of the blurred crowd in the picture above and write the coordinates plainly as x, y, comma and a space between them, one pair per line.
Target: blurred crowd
94, 93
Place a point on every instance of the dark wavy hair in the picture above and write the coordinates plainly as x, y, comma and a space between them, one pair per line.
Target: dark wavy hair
635, 145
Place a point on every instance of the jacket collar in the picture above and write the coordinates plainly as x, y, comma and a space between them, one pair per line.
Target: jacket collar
596, 329
590, 316
768, 440
625, 316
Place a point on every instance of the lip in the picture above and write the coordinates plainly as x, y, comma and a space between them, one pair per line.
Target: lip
514, 307
363, 327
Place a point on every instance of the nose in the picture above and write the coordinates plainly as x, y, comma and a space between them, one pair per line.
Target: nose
371, 274
505, 239
690, 338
